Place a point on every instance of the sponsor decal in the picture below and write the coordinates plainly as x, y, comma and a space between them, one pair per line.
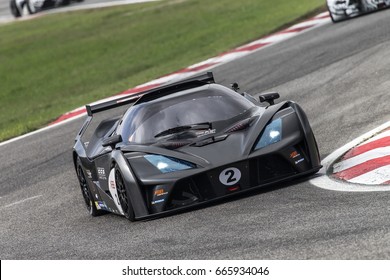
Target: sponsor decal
294, 154
205, 132
100, 205
233, 188
160, 192
158, 201
112, 185
89, 174
299, 161
230, 176
101, 173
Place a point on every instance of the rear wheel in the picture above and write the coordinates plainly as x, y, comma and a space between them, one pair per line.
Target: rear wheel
86, 192
123, 196
14, 9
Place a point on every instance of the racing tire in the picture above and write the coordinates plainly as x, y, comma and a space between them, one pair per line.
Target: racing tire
14, 9
31, 8
65, 2
335, 18
86, 192
123, 196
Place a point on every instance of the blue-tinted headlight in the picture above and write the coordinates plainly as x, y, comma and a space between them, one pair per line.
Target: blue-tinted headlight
271, 134
168, 164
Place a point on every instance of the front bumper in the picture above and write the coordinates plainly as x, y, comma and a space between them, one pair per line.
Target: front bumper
205, 185
227, 196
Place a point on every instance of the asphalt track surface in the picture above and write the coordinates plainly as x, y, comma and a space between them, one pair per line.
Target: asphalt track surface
338, 73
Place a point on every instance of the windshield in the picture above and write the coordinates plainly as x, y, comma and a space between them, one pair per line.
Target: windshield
208, 104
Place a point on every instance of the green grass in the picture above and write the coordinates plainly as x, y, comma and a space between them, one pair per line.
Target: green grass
56, 63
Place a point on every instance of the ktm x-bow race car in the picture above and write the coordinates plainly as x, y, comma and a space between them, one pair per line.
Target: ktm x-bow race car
343, 9
188, 143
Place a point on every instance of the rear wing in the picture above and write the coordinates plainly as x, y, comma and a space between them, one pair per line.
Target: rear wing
152, 94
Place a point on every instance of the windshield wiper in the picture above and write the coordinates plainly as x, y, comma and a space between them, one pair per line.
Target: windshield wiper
178, 129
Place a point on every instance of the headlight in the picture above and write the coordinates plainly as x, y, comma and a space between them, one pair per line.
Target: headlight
271, 134
168, 164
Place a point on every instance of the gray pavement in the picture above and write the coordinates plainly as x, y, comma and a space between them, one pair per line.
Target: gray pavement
337, 73
5, 14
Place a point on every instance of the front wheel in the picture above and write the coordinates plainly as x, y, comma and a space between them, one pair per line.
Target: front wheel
336, 18
123, 196
31, 8
86, 192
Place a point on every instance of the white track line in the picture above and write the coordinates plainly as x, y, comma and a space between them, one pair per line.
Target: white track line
323, 14
377, 137
325, 182
106, 5
40, 130
276, 38
359, 159
305, 24
21, 201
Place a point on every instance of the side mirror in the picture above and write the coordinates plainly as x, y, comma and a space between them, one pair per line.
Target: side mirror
269, 97
235, 86
112, 141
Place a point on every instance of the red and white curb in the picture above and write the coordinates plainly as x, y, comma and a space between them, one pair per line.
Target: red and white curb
223, 58
367, 163
361, 165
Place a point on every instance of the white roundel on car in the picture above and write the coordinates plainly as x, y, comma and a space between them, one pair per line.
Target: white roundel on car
230, 176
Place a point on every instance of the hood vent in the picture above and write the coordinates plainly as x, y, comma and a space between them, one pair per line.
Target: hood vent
241, 125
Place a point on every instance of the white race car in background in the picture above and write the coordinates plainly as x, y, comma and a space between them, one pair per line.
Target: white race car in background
343, 9
34, 6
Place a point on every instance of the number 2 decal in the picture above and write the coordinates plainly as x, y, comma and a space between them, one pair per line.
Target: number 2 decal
230, 176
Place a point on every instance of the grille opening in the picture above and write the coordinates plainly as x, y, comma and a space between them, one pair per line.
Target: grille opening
184, 193
273, 166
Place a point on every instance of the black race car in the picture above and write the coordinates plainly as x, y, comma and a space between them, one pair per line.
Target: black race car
188, 143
